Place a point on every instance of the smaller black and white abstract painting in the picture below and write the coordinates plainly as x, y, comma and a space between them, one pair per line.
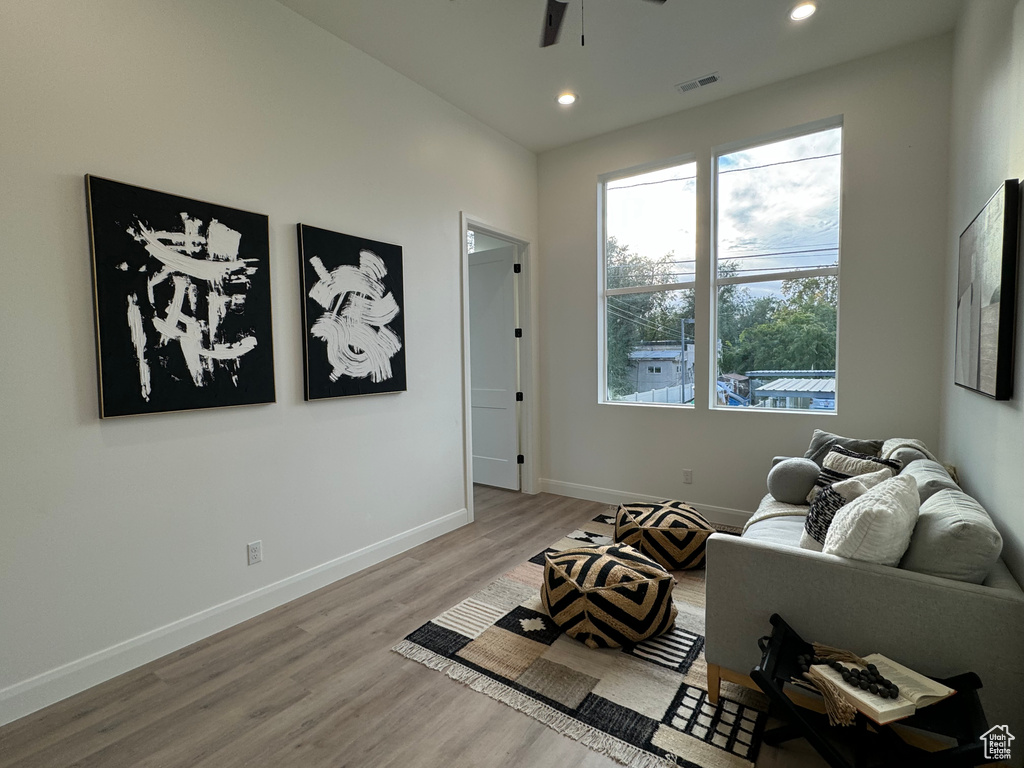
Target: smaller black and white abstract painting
182, 298
986, 296
352, 314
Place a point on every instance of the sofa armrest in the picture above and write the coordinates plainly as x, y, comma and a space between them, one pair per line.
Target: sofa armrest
937, 626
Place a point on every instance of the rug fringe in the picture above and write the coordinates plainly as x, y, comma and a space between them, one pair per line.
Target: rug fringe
594, 738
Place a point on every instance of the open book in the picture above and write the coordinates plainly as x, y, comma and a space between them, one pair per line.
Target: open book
916, 690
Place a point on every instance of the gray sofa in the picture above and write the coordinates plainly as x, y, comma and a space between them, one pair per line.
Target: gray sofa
935, 625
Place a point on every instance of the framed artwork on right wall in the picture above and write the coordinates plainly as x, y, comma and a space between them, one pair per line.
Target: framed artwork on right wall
987, 296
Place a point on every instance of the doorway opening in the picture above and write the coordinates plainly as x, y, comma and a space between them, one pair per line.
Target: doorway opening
493, 286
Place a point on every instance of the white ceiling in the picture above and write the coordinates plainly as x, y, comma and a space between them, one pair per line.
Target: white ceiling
483, 56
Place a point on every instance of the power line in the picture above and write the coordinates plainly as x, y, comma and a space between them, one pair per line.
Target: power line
779, 253
650, 326
772, 270
647, 325
781, 162
610, 188
668, 278
631, 319
651, 269
647, 183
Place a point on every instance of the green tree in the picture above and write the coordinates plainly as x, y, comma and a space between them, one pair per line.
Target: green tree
797, 332
738, 310
637, 318
812, 290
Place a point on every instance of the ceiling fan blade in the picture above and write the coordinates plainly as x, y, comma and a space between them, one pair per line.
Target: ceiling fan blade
554, 14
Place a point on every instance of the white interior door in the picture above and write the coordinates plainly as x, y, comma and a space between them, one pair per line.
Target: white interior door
492, 346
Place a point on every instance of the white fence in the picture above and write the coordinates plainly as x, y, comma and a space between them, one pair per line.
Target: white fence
674, 394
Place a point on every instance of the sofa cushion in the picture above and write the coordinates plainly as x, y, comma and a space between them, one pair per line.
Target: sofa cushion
822, 442
954, 538
772, 507
829, 501
777, 530
931, 478
906, 454
792, 479
876, 527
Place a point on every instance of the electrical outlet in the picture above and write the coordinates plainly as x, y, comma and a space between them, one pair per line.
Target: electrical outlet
255, 550
687, 476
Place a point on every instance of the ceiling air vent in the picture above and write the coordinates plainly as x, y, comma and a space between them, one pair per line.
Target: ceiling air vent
697, 82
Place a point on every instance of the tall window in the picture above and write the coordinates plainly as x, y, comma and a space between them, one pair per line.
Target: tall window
777, 273
649, 256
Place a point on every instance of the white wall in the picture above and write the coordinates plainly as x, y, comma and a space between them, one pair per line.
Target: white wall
896, 116
983, 437
123, 539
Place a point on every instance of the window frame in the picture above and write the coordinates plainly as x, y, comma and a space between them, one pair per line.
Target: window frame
603, 292
705, 281
715, 282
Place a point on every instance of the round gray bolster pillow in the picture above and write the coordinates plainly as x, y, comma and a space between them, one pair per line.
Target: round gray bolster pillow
792, 479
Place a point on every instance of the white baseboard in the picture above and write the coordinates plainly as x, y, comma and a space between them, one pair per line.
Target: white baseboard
723, 515
52, 686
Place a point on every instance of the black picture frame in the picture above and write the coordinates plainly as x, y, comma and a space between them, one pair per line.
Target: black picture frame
987, 296
181, 293
353, 315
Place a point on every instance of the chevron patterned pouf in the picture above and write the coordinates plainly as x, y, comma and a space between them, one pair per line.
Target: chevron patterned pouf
671, 532
607, 597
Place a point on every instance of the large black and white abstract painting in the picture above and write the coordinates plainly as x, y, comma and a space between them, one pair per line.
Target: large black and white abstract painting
182, 297
986, 296
352, 314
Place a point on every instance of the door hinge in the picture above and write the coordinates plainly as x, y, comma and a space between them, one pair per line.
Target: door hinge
519, 333
520, 459
517, 268
519, 397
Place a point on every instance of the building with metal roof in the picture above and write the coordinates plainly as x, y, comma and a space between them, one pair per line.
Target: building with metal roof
820, 394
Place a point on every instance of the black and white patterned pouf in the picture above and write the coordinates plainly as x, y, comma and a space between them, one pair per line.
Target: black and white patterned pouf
671, 532
609, 596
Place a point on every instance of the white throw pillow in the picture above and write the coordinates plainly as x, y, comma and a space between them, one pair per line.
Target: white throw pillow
855, 487
824, 506
877, 526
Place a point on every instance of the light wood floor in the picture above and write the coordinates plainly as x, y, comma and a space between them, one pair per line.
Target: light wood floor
314, 683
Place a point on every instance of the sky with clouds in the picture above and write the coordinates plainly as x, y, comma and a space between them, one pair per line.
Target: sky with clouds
778, 208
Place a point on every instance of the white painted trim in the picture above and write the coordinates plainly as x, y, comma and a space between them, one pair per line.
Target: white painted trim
792, 132
654, 165
467, 375
723, 515
52, 686
774, 277
526, 311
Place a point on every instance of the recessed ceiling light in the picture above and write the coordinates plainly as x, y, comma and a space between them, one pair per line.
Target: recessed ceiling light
803, 11
567, 98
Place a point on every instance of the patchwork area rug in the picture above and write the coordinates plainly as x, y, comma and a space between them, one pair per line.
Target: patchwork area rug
644, 706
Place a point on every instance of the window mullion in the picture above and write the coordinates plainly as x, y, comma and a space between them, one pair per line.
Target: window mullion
771, 277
